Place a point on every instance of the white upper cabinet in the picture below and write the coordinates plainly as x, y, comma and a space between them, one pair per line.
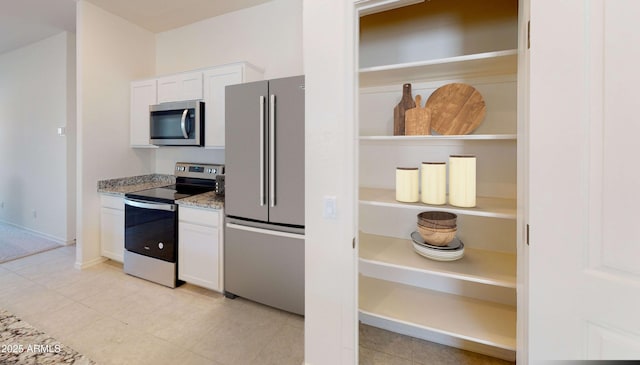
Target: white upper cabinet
183, 86
207, 84
215, 81
143, 94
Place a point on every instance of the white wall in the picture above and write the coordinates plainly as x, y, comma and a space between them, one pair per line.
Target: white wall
268, 36
330, 265
37, 96
111, 53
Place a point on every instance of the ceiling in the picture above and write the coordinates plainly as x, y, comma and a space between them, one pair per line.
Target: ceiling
23, 22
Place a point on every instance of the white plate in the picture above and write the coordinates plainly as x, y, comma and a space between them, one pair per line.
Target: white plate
439, 255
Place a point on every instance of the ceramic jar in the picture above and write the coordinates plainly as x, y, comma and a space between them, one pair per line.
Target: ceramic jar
434, 183
407, 187
462, 180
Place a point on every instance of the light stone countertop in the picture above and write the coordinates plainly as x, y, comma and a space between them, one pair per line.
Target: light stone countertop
121, 186
206, 200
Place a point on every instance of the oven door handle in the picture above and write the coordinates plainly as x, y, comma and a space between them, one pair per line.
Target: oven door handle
147, 205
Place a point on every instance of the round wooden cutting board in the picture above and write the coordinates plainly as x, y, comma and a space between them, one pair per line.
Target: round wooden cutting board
456, 109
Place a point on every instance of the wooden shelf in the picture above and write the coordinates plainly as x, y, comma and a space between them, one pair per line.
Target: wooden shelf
467, 137
480, 64
408, 309
399, 259
485, 207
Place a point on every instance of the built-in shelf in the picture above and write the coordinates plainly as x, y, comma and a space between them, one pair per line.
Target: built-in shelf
425, 313
399, 259
467, 137
485, 206
473, 65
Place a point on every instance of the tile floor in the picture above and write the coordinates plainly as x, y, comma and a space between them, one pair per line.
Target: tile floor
114, 318
379, 347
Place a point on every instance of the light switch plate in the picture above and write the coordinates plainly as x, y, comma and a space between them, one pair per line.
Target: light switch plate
330, 207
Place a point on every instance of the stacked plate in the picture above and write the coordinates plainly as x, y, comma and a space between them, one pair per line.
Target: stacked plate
451, 252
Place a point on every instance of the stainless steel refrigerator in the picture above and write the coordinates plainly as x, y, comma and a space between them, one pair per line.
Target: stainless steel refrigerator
264, 192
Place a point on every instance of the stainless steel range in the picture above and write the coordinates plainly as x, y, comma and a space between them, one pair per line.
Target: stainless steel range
151, 223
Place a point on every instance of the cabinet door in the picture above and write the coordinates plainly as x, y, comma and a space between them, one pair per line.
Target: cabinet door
584, 248
112, 233
215, 81
143, 94
185, 86
198, 255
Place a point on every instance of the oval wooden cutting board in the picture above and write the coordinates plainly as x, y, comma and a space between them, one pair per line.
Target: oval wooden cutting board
456, 109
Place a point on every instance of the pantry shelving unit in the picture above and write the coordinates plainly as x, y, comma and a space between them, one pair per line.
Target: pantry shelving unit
469, 303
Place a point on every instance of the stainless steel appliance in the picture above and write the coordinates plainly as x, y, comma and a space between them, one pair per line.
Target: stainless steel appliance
264, 194
151, 223
179, 123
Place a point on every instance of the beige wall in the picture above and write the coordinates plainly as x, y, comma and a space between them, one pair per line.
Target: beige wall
36, 97
111, 53
268, 36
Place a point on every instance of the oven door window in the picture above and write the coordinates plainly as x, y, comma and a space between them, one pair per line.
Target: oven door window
151, 232
168, 124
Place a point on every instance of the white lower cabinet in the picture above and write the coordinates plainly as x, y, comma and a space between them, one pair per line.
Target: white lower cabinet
112, 227
200, 249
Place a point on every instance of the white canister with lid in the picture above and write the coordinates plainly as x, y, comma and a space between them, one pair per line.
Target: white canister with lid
462, 180
434, 183
407, 187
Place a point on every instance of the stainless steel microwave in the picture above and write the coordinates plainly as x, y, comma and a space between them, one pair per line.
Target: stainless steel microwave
179, 123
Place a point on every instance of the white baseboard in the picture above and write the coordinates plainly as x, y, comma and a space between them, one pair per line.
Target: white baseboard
42, 235
84, 265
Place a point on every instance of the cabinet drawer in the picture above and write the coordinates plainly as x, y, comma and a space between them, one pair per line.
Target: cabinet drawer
111, 201
204, 217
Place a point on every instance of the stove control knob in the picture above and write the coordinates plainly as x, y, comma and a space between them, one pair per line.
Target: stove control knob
160, 245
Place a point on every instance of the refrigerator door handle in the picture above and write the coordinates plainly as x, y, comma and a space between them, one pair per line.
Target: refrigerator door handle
266, 231
262, 202
272, 150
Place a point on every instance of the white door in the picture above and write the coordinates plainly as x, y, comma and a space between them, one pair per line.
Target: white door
584, 179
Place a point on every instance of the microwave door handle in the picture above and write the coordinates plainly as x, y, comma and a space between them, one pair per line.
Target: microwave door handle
272, 150
183, 124
262, 150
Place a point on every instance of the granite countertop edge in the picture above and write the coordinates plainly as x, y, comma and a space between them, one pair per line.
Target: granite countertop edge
121, 186
205, 200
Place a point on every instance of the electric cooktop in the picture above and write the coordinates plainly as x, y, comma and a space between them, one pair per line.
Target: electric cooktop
191, 179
